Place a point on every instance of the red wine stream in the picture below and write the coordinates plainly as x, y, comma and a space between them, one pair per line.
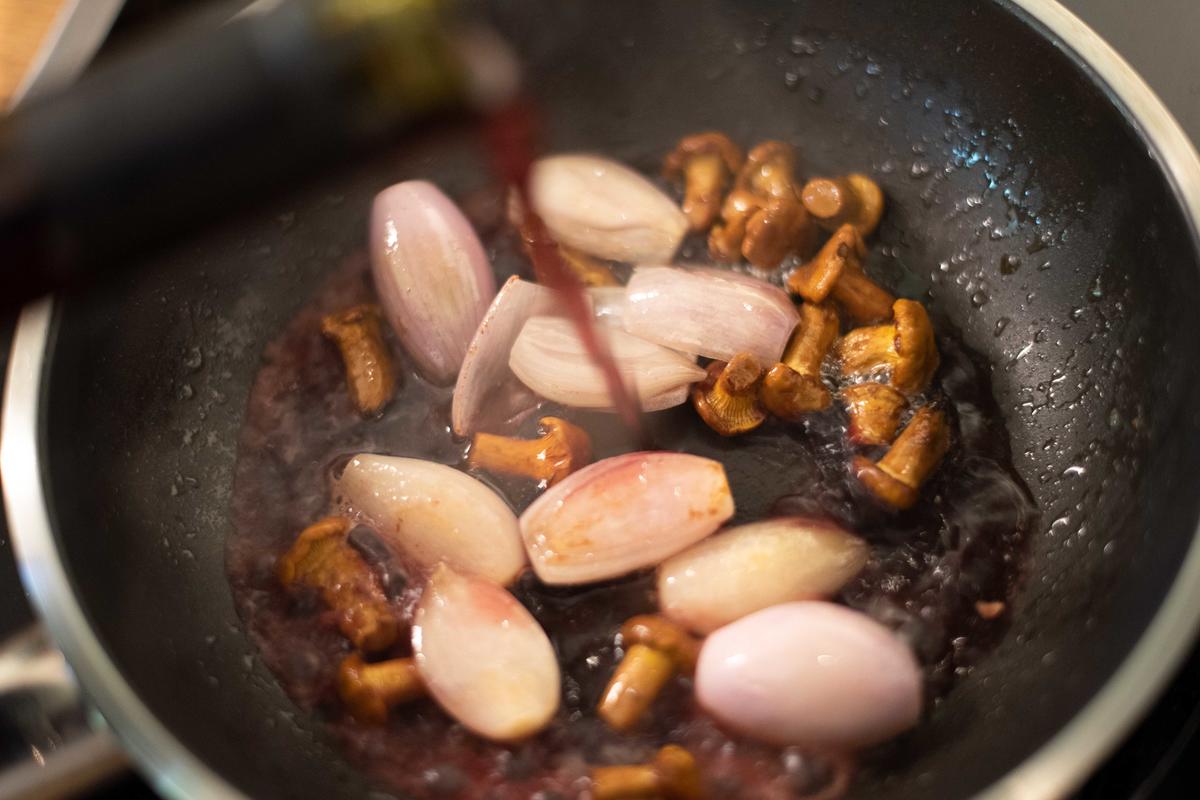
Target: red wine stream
511, 134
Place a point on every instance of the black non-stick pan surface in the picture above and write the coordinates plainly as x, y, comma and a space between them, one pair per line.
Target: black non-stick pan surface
1022, 203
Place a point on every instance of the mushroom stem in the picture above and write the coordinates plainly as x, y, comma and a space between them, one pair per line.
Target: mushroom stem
897, 478
322, 559
371, 690
793, 387
854, 199
837, 271
874, 410
707, 161
763, 218
370, 373
638, 679
905, 347
672, 775
561, 449
810, 342
727, 400
770, 170
656, 650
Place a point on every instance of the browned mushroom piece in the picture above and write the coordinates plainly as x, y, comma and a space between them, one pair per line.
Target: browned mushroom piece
793, 387
725, 239
905, 348
561, 449
323, 559
370, 373
811, 340
770, 170
673, 775
727, 399
370, 691
779, 228
836, 271
853, 199
874, 410
655, 651
763, 219
706, 162
896, 479
789, 395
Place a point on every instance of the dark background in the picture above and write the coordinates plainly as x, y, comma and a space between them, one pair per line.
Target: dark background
1160, 39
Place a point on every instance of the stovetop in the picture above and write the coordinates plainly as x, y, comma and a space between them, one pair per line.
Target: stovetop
1161, 759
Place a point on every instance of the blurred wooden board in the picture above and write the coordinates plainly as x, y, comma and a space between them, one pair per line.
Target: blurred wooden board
23, 26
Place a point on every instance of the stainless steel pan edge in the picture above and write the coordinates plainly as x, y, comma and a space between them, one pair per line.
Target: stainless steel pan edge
1055, 770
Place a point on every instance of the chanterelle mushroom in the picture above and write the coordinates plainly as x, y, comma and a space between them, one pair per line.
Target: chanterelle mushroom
853, 199
836, 271
371, 690
655, 650
728, 398
794, 387
370, 375
322, 559
763, 218
562, 449
905, 347
896, 479
770, 170
672, 775
706, 161
874, 410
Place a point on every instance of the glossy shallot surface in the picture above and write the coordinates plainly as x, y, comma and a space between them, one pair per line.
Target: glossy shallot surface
430, 513
432, 275
483, 657
624, 513
810, 673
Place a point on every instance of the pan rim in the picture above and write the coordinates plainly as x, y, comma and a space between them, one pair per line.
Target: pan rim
1057, 768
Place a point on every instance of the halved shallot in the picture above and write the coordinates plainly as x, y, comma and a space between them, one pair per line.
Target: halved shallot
428, 512
483, 657
754, 566
608, 304
605, 208
432, 275
812, 674
486, 391
624, 513
549, 358
709, 312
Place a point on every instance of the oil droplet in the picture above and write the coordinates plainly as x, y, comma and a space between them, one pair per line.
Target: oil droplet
802, 46
1001, 324
194, 359
979, 299
920, 169
792, 80
1009, 264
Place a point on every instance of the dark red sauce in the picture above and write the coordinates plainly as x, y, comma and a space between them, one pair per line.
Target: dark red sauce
510, 135
929, 566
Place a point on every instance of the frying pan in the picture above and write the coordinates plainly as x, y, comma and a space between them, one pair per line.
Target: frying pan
1039, 194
